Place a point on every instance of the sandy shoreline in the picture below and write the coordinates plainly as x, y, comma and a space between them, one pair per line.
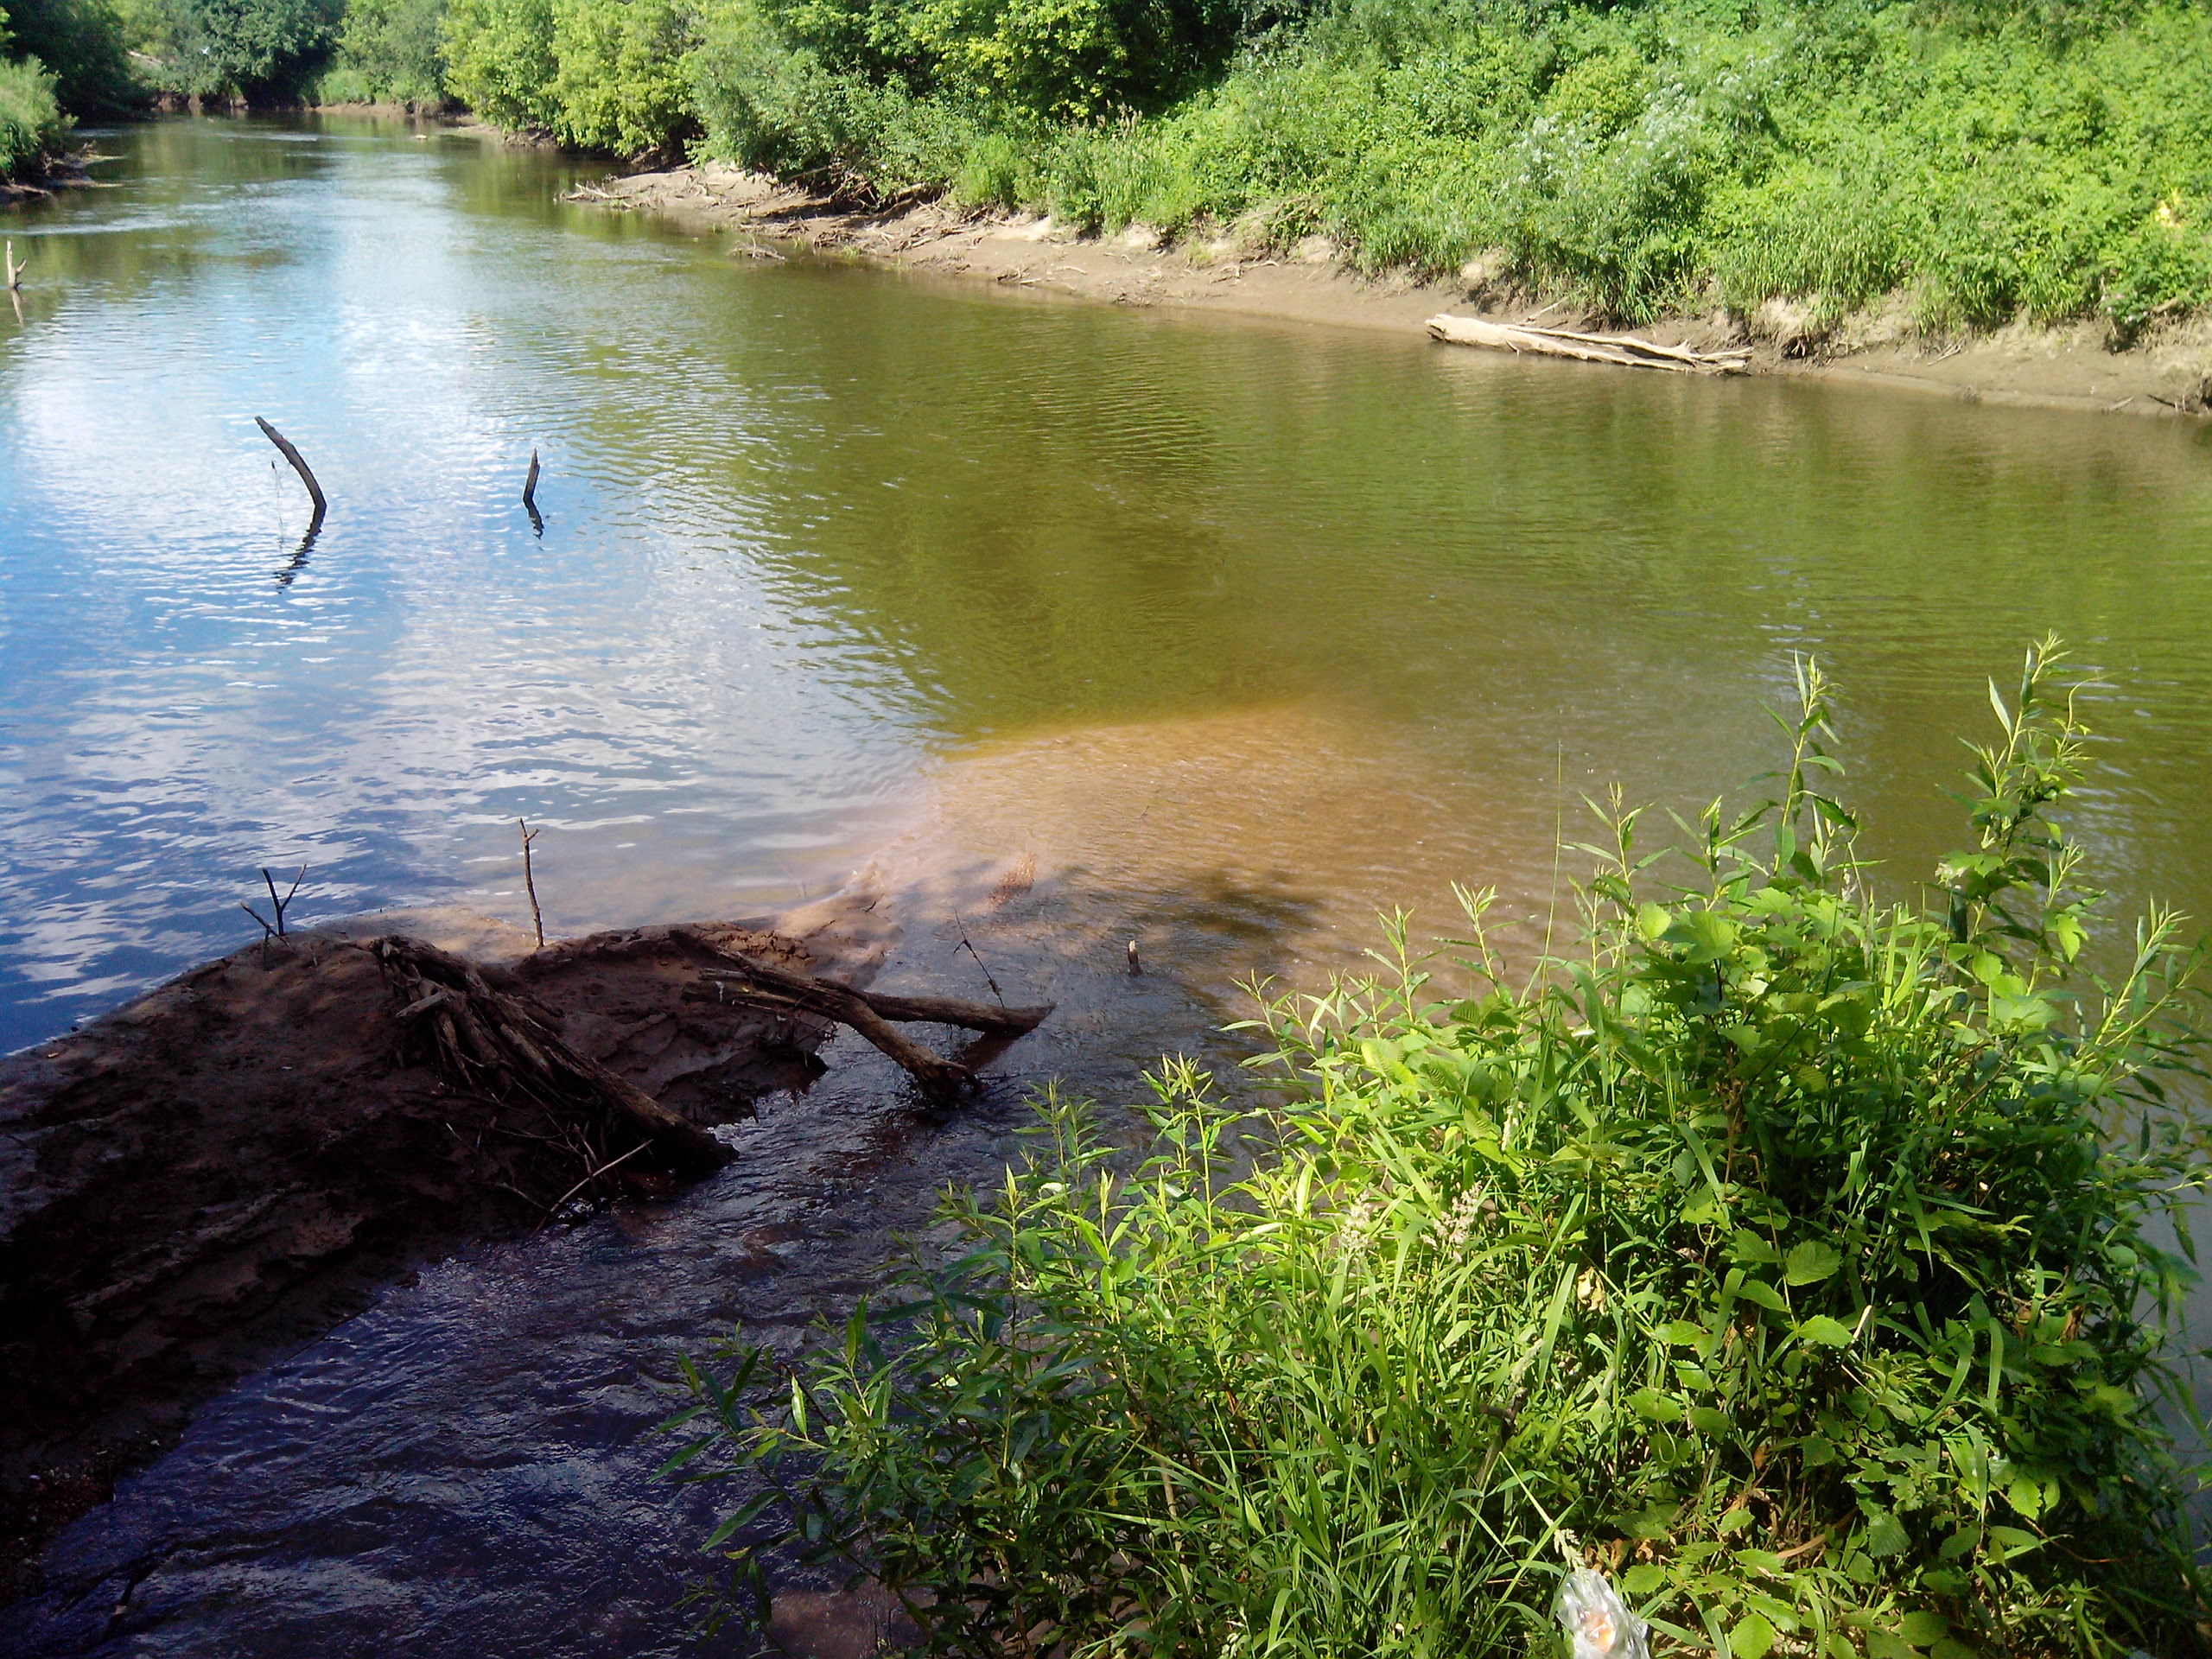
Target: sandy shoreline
2170, 373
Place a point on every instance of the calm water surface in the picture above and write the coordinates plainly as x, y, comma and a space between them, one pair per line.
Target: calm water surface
1240, 632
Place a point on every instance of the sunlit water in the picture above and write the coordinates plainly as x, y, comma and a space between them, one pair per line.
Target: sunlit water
1240, 632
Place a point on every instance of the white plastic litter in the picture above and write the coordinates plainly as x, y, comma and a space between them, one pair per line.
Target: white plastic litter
1597, 1622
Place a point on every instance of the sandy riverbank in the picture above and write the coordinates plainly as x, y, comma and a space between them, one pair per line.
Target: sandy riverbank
2168, 374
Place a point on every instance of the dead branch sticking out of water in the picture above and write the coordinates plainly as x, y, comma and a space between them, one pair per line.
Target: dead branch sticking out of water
15, 271
1623, 350
495, 1045
530, 879
530, 506
870, 1013
315, 490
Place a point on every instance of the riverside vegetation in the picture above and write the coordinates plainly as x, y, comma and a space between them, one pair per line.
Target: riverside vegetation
1810, 1262
1984, 159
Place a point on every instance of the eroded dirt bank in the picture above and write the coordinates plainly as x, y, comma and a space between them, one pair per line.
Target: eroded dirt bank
2167, 373
236, 1161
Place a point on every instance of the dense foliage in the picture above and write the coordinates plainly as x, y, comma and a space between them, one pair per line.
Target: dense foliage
79, 42
1985, 160
388, 52
1667, 155
1808, 1263
31, 123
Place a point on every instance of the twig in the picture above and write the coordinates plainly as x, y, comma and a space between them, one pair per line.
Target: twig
554, 1208
530, 878
284, 449
281, 903
969, 947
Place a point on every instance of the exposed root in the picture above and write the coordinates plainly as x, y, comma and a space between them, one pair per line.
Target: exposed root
503, 1048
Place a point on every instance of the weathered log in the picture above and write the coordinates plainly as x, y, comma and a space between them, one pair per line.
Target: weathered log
499, 1043
1623, 350
299, 465
871, 1014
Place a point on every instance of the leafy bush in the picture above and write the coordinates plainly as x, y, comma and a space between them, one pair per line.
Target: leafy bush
1802, 1259
599, 74
80, 42
256, 50
388, 52
619, 83
31, 125
499, 61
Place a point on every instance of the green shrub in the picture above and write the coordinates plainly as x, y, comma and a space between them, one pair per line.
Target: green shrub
82, 43
388, 52
32, 126
499, 61
260, 50
619, 83
1805, 1261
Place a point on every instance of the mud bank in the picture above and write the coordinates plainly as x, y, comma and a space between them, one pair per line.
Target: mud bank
235, 1162
2169, 372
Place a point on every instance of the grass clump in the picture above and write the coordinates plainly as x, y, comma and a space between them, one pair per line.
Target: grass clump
1808, 1263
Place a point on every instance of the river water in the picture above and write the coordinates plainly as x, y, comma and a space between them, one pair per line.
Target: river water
1233, 632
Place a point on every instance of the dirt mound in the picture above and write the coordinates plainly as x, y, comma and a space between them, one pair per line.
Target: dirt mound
236, 1161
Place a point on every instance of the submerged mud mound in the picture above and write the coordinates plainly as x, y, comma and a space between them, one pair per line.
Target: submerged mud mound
236, 1161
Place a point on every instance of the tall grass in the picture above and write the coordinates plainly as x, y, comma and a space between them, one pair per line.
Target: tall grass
1800, 1259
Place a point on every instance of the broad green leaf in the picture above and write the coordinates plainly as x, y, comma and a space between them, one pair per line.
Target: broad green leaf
1811, 1262
1751, 1638
1924, 1629
1885, 1535
1758, 1291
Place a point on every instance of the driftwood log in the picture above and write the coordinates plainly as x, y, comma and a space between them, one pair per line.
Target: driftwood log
1623, 350
493, 1044
871, 1013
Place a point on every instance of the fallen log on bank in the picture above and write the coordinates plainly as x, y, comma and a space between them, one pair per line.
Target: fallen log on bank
1624, 350
871, 1013
496, 1045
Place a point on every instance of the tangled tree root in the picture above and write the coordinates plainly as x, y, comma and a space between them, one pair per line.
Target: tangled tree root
498, 1046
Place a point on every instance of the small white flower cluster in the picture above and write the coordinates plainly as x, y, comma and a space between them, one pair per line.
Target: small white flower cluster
1473, 1211
1355, 1223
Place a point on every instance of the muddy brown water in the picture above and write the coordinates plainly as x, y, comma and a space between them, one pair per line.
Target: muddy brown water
1216, 636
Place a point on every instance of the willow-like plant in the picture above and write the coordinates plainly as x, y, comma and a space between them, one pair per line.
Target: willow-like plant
1809, 1262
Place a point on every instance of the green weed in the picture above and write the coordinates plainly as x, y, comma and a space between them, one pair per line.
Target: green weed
1809, 1262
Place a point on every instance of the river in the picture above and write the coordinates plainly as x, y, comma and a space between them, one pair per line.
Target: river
1234, 632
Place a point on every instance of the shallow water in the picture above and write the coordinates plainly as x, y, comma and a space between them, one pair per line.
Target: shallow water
1236, 632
